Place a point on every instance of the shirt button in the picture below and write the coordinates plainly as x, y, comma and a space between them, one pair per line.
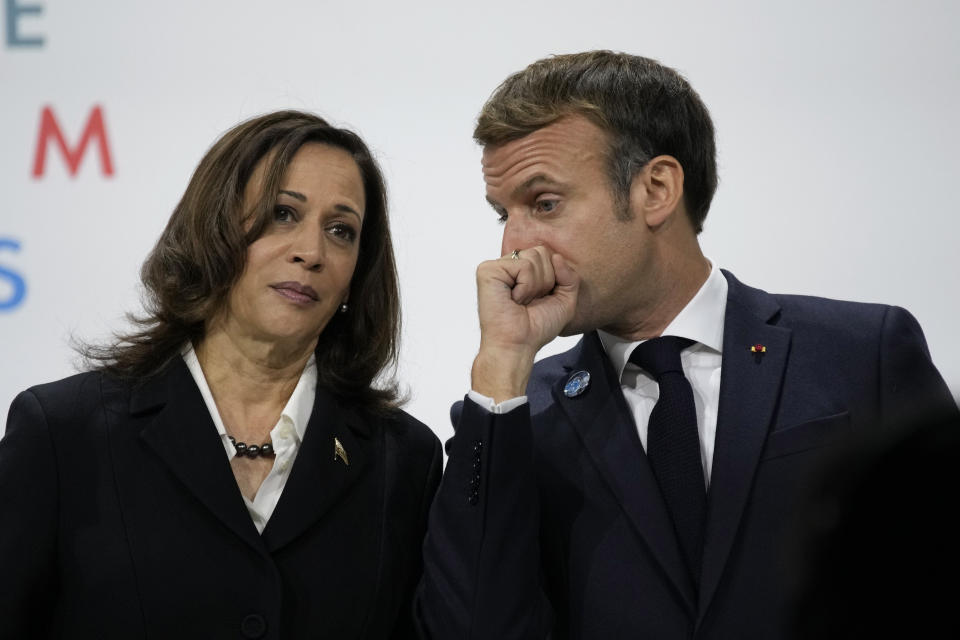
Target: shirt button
253, 626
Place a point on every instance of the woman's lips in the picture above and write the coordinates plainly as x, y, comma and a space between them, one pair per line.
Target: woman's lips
295, 291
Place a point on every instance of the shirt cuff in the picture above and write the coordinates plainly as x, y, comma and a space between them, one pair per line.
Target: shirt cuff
497, 408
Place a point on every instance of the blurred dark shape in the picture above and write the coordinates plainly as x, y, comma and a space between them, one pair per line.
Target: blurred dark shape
878, 552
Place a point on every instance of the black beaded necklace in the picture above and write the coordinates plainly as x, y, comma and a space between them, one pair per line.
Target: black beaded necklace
252, 450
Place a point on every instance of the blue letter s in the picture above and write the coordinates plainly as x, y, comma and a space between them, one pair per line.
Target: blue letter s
16, 280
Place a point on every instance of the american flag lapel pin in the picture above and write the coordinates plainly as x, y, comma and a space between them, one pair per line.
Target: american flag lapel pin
340, 452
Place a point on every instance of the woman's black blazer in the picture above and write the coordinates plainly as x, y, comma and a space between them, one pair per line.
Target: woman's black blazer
120, 518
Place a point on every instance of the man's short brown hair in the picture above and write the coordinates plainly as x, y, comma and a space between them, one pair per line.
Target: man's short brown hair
647, 109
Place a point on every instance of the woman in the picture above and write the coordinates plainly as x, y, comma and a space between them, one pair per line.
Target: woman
230, 470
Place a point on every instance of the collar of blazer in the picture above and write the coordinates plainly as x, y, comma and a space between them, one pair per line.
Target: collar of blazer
176, 426
749, 392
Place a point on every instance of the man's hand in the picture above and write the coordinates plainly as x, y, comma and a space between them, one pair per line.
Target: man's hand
523, 304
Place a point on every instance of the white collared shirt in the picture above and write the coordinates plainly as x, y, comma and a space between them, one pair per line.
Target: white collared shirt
286, 436
701, 321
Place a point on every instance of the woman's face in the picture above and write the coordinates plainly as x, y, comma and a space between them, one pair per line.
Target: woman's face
298, 272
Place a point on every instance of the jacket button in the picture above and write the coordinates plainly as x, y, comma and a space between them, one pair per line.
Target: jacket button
253, 626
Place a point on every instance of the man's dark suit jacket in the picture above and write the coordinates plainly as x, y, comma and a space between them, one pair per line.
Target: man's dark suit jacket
568, 533
121, 518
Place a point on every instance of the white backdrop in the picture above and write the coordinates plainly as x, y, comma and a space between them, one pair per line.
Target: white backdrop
836, 128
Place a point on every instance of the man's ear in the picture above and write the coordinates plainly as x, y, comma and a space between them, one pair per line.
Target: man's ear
656, 193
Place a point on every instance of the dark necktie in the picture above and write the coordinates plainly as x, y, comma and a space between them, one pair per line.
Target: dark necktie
673, 444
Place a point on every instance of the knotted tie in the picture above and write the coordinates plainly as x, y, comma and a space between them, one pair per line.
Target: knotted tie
673, 445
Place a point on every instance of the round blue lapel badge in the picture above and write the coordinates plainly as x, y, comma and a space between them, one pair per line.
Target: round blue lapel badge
577, 384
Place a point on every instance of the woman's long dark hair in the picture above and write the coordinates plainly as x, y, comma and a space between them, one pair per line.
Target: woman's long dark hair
202, 252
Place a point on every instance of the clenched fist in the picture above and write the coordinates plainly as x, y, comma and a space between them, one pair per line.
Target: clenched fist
524, 300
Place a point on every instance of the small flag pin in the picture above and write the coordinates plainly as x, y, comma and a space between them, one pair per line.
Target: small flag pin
340, 452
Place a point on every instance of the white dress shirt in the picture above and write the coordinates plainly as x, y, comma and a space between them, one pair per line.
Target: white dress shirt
701, 321
286, 436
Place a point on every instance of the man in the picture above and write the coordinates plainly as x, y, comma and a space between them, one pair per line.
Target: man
634, 487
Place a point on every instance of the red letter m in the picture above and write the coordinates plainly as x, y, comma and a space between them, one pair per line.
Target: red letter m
49, 128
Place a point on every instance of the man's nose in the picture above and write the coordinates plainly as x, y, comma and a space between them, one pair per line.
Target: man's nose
518, 234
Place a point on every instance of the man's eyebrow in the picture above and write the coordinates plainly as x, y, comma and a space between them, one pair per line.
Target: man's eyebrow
493, 203
528, 184
537, 180
295, 194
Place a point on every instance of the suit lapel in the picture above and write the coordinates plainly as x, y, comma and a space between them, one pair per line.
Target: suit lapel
604, 423
184, 437
319, 477
749, 390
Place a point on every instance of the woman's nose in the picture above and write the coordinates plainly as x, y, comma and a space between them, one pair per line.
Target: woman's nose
307, 248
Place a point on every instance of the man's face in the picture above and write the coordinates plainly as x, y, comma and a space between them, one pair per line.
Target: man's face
551, 188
